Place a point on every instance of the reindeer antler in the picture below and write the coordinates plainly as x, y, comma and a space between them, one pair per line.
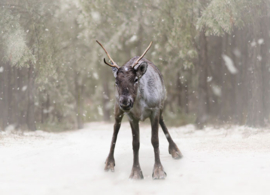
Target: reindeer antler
137, 61
114, 65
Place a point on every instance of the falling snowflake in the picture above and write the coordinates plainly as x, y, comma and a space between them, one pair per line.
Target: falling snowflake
229, 64
24, 88
260, 41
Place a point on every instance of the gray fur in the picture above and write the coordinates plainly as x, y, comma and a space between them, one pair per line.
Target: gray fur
140, 93
151, 92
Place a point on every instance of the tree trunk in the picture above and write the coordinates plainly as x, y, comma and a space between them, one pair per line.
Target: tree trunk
106, 99
255, 107
179, 91
31, 122
264, 34
5, 96
186, 98
202, 105
78, 97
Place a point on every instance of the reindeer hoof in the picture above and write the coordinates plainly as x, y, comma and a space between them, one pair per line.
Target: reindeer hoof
175, 152
109, 164
136, 173
158, 172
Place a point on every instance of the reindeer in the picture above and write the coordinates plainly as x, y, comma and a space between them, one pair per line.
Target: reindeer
140, 94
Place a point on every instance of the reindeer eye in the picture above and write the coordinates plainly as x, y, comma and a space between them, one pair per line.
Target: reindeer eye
136, 80
116, 82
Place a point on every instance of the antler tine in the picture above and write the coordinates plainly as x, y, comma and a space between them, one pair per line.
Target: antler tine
111, 65
137, 61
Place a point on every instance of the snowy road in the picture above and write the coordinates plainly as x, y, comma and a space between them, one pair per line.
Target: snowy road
216, 161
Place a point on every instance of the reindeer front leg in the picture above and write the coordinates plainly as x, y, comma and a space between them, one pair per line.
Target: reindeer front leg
136, 172
110, 163
158, 171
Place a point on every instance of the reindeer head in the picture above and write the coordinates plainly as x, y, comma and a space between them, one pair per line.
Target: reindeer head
127, 78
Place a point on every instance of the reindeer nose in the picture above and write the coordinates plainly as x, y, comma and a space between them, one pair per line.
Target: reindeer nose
125, 103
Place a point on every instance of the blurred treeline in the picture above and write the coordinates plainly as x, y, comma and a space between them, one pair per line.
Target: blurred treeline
213, 54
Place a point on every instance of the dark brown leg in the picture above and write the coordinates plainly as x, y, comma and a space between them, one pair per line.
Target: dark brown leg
110, 163
173, 149
158, 172
136, 172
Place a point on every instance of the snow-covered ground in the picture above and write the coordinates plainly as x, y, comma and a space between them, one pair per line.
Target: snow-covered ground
231, 161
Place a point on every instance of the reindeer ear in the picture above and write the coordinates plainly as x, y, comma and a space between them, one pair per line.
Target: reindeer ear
141, 69
114, 70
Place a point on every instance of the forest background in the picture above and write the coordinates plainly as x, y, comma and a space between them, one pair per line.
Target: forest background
213, 54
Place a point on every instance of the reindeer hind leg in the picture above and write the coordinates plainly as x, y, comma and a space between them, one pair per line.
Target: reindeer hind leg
173, 149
